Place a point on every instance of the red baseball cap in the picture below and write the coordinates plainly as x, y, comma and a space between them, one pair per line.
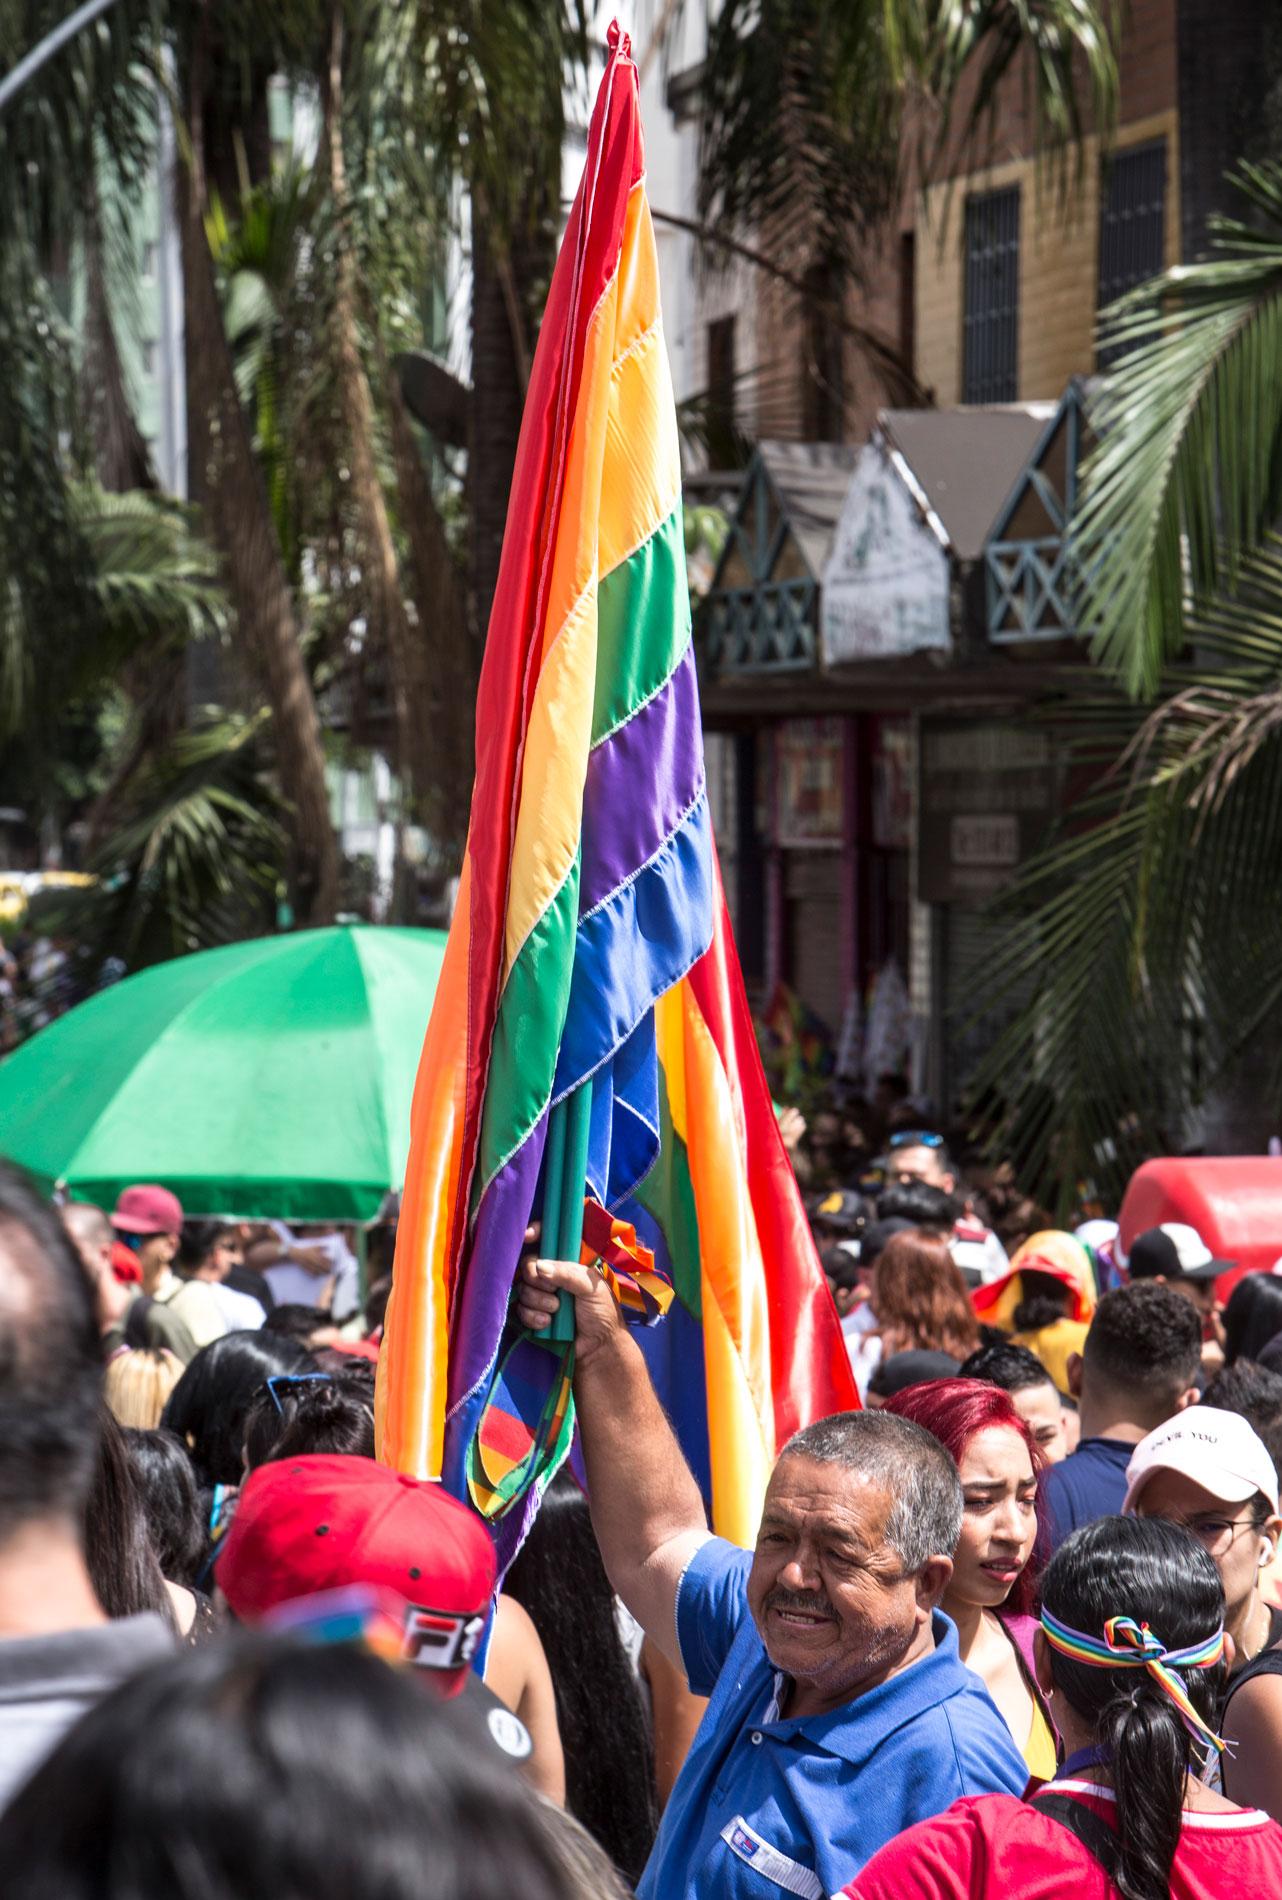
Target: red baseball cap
313, 1524
148, 1210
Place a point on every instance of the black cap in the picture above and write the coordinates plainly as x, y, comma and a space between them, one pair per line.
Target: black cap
479, 1713
903, 1369
841, 1212
1155, 1255
877, 1233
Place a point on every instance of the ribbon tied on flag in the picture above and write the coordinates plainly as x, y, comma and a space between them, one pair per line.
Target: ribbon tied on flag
642, 1292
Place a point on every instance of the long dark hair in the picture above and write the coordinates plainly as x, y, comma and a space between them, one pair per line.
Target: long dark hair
1156, 1573
609, 1756
259, 1764
167, 1486
1252, 1317
310, 1416
119, 1556
206, 1409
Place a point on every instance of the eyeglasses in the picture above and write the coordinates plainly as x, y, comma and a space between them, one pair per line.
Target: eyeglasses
915, 1138
291, 1378
1214, 1534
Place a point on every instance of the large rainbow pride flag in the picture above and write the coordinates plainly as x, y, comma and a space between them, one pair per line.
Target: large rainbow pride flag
591, 938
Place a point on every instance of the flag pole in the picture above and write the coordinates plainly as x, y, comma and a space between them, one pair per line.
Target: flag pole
566, 1182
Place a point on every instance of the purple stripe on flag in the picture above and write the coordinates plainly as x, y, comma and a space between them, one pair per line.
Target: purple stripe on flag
491, 1257
640, 782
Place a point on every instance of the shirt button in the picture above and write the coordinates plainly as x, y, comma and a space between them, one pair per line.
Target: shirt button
756, 1738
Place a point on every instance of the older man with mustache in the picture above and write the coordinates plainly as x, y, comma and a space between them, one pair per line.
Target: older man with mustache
840, 1711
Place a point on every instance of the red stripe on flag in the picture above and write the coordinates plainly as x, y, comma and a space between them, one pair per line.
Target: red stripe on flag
809, 1365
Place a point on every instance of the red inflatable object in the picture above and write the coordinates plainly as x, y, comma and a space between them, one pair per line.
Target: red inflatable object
1234, 1202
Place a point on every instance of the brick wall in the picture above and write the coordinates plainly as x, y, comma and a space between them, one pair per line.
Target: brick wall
1058, 251
1058, 266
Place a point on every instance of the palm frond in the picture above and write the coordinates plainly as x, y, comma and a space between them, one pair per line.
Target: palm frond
1187, 474
197, 852
1149, 931
155, 579
1062, 54
798, 129
92, 101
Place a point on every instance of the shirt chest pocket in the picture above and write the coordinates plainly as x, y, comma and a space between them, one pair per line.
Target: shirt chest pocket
773, 1868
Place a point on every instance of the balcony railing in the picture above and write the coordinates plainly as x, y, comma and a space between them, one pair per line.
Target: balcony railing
769, 628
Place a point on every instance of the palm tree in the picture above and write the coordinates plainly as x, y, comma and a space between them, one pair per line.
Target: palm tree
228, 482
413, 98
196, 852
1152, 931
129, 584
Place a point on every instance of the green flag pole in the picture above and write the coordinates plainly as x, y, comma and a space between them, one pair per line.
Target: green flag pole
565, 1182
554, 1183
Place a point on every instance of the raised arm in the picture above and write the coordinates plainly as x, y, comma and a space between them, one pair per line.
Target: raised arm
646, 1508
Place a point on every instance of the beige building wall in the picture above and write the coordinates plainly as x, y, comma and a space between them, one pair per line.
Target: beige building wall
1058, 266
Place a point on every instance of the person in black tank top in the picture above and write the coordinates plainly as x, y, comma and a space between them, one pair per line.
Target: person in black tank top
1252, 1724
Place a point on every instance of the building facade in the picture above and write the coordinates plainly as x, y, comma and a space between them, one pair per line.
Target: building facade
895, 596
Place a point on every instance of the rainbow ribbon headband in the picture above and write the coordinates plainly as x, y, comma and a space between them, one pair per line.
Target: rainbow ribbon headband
1131, 1645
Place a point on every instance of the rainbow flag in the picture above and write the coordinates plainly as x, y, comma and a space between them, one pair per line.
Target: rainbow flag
590, 938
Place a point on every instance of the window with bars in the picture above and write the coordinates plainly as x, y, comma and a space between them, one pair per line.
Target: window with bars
1132, 223
990, 355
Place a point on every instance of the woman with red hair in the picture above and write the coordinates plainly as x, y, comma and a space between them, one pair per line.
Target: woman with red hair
992, 1594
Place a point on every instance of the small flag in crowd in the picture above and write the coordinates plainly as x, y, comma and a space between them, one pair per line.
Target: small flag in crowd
590, 982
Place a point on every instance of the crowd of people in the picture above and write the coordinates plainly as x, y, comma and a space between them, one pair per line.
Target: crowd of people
41, 978
1015, 1625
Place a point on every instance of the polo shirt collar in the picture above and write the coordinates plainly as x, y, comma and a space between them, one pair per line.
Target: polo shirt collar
858, 1728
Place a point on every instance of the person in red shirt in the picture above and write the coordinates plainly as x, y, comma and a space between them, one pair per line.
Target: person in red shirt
1132, 1658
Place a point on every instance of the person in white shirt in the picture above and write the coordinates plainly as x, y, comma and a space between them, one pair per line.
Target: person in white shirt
207, 1252
316, 1268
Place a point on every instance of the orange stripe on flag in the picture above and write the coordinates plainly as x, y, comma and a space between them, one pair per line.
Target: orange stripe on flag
410, 1396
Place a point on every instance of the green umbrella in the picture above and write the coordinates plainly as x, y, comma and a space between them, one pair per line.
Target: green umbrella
270, 1078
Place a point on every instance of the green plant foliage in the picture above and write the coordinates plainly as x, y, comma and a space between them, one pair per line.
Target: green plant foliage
1062, 53
197, 853
1187, 475
1150, 931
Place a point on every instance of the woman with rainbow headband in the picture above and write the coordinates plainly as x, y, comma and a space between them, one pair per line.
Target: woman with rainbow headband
1132, 1657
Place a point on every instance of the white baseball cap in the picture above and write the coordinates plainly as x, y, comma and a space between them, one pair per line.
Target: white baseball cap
1217, 1450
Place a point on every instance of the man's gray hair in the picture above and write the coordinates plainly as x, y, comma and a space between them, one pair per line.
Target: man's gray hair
926, 1510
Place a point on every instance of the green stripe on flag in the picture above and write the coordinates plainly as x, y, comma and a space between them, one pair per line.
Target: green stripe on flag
527, 1033
643, 625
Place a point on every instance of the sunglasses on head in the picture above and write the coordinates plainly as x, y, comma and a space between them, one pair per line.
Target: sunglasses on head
290, 1378
915, 1138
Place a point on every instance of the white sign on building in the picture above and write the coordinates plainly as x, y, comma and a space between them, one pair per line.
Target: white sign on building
884, 589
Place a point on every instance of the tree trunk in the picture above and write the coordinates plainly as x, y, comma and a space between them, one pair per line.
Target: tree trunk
511, 271
229, 480
444, 647
388, 621
121, 458
496, 417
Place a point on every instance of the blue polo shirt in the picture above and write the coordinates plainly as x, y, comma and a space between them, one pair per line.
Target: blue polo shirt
1089, 1483
765, 1805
